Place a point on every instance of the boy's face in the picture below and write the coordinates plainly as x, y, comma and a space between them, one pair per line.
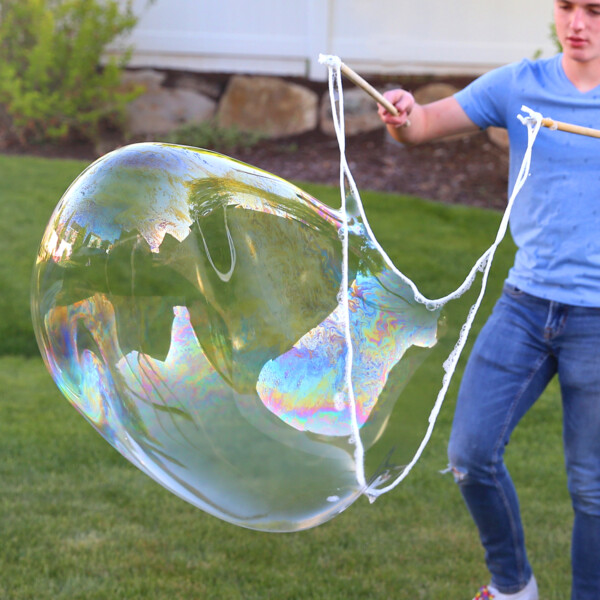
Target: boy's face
578, 28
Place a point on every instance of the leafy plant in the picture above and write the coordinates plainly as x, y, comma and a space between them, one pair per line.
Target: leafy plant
554, 38
210, 135
52, 82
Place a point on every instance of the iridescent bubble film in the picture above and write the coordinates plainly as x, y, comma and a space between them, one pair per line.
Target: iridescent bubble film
191, 308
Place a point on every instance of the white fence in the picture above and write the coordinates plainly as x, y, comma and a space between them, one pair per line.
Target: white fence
379, 36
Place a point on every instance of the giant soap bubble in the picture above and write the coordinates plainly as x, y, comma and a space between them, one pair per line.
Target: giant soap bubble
196, 311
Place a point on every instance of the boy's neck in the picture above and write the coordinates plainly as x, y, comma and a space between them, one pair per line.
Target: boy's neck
585, 76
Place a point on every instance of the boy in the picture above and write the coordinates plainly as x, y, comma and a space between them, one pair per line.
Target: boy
547, 320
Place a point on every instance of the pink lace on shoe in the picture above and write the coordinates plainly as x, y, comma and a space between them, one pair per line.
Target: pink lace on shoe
484, 594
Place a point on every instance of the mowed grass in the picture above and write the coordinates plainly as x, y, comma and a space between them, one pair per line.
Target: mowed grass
78, 521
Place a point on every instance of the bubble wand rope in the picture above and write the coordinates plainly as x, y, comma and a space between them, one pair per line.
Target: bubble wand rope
335, 86
533, 123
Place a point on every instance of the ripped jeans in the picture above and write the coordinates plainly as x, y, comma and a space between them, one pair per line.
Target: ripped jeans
525, 342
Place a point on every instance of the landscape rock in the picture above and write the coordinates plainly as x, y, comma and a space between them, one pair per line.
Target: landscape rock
498, 136
360, 113
267, 105
149, 79
196, 83
431, 92
162, 110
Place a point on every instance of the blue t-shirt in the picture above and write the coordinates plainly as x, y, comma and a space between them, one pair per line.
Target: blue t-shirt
555, 221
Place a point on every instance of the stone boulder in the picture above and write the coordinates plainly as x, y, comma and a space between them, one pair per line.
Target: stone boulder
161, 110
498, 136
431, 92
360, 113
148, 79
267, 105
197, 83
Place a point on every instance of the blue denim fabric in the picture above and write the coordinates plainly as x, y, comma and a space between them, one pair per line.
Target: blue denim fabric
526, 341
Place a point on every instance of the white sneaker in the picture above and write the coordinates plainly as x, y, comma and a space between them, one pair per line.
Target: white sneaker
489, 592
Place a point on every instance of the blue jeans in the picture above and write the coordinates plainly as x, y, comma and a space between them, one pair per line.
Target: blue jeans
525, 342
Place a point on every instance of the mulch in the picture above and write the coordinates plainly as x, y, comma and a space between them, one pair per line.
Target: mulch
469, 170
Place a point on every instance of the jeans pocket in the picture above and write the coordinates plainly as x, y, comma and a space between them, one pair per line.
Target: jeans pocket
513, 291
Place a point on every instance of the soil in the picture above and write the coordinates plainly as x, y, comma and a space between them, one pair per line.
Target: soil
470, 170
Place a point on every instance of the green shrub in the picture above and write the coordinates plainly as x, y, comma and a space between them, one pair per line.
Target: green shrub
211, 136
51, 83
554, 38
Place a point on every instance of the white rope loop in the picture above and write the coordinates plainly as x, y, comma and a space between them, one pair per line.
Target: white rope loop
335, 87
533, 123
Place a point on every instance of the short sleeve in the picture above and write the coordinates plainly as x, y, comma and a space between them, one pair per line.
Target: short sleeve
486, 99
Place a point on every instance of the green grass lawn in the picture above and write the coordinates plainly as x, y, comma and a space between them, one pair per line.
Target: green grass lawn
78, 521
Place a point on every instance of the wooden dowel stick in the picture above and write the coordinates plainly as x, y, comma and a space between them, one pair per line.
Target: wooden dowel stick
546, 122
367, 87
551, 124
